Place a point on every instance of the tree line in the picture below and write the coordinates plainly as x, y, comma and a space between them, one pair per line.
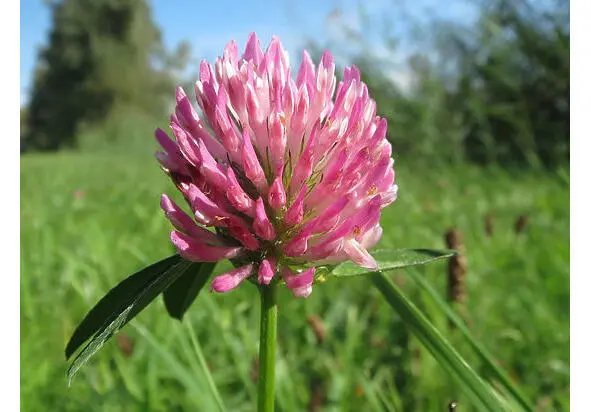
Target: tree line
492, 91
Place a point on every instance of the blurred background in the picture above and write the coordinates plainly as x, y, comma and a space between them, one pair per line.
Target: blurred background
476, 93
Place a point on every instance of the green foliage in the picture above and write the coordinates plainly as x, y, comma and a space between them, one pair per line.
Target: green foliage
86, 221
179, 297
445, 354
481, 393
116, 301
101, 55
126, 129
514, 80
23, 125
497, 373
496, 91
387, 259
121, 305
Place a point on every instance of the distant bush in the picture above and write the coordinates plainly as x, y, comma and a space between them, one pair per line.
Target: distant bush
126, 129
496, 91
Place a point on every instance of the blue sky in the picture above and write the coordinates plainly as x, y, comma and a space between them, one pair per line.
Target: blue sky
209, 25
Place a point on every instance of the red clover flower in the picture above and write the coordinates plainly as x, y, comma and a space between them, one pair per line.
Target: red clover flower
286, 176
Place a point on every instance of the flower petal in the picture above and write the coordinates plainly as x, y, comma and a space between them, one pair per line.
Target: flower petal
183, 222
267, 270
251, 165
228, 281
197, 251
358, 254
295, 213
299, 283
262, 226
277, 197
237, 196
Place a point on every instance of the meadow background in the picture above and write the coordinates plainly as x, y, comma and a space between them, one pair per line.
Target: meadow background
478, 111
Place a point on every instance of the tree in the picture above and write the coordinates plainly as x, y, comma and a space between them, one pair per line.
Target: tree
101, 55
494, 90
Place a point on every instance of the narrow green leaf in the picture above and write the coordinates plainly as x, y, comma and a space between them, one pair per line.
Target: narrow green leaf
135, 305
96, 343
387, 260
206, 372
182, 293
478, 348
116, 301
479, 391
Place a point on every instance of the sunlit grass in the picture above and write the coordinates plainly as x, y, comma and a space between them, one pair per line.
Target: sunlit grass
88, 221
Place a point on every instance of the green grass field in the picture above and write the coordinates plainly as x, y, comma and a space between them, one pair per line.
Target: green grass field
89, 221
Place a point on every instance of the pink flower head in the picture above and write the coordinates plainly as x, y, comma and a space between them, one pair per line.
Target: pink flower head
283, 169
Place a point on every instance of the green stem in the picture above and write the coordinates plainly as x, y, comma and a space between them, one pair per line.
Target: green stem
268, 341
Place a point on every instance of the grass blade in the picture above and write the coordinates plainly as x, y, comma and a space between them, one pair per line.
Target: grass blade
484, 355
205, 368
478, 390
